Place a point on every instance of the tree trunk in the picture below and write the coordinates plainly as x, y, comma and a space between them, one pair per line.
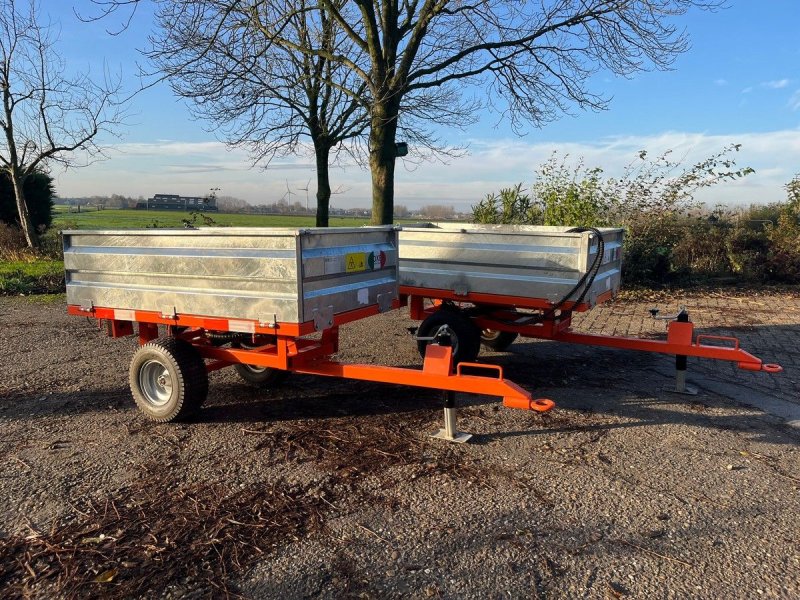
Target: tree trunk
322, 153
382, 157
22, 210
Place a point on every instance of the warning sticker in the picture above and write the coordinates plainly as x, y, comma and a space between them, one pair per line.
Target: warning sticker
355, 262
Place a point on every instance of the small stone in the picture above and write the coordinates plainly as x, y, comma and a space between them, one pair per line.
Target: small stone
729, 467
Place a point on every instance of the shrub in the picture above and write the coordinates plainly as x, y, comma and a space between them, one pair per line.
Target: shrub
39, 194
31, 277
747, 245
512, 206
12, 242
652, 200
783, 257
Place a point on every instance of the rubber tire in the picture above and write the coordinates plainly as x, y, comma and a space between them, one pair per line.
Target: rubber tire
258, 376
467, 342
186, 371
497, 340
261, 376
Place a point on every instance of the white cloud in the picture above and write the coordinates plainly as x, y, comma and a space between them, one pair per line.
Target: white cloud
777, 84
193, 168
720, 82
794, 101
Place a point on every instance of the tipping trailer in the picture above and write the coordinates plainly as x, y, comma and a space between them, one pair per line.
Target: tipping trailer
252, 298
488, 284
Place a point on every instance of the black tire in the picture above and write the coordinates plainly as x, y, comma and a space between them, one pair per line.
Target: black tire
168, 379
497, 340
261, 376
465, 337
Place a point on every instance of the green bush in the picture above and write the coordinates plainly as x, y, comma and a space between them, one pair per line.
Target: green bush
512, 206
39, 193
669, 240
748, 245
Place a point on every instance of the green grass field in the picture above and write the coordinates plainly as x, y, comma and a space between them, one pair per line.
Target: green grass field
31, 277
138, 219
41, 276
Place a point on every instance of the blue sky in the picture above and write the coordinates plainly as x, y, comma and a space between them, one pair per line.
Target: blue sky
739, 83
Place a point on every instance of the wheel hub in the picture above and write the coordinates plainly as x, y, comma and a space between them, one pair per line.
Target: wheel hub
155, 383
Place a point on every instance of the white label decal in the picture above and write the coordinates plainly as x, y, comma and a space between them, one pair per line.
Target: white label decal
241, 326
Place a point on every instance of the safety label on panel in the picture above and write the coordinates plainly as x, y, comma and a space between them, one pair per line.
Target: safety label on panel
355, 262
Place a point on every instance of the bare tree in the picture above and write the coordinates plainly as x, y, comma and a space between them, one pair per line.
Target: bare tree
419, 59
534, 58
258, 95
258, 91
437, 211
48, 118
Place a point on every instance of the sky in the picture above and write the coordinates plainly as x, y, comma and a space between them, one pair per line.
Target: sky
739, 83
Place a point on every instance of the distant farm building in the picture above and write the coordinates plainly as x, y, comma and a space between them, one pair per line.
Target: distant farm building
175, 202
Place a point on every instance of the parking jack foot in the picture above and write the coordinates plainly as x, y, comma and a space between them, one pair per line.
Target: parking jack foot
680, 380
450, 431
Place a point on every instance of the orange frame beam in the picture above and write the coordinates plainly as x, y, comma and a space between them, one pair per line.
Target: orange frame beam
501, 316
287, 351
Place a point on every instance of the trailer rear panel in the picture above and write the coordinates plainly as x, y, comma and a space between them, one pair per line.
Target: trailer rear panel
528, 262
263, 274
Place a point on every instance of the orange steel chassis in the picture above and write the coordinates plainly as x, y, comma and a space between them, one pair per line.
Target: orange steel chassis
500, 315
288, 350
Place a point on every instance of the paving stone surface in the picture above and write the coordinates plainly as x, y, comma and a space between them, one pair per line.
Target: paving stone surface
767, 325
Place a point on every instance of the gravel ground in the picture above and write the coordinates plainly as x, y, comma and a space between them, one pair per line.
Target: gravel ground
332, 488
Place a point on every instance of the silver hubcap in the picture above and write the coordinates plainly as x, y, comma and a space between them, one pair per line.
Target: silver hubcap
255, 369
489, 334
155, 383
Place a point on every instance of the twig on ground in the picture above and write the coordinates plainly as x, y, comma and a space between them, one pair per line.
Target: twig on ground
368, 530
664, 556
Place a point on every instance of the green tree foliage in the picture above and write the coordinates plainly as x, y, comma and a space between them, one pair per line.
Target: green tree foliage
783, 258
39, 194
511, 206
652, 200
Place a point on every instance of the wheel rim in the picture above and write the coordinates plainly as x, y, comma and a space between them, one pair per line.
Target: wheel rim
155, 383
490, 334
255, 369
447, 330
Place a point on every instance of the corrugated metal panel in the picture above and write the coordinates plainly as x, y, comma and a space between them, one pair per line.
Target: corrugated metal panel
510, 260
241, 273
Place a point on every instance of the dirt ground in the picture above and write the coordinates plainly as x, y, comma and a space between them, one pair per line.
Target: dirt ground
332, 488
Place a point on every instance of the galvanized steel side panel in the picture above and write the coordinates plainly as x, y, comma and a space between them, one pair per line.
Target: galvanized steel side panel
511, 260
345, 269
264, 274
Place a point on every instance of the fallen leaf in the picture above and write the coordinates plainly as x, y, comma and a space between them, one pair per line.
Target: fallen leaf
106, 576
615, 590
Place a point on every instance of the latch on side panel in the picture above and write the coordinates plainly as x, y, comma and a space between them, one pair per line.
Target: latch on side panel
323, 317
385, 302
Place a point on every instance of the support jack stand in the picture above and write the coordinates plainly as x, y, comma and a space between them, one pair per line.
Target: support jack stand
450, 431
680, 378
